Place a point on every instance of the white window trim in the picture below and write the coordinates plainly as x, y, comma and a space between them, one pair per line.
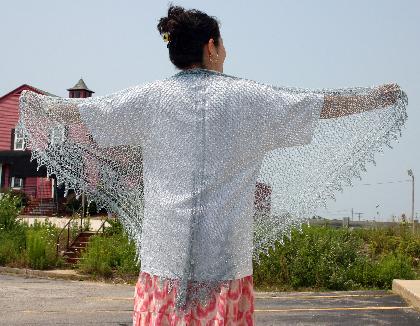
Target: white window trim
13, 181
18, 137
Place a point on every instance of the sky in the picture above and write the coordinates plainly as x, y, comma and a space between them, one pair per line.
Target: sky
50, 44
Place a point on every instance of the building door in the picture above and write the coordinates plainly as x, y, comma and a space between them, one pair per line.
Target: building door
44, 187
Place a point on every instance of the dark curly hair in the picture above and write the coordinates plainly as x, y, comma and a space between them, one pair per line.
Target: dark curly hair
188, 31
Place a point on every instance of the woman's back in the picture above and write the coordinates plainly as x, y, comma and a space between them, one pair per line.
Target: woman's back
201, 157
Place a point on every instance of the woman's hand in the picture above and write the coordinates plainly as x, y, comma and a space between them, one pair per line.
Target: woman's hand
388, 94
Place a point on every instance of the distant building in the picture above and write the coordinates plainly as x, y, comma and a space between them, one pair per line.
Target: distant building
80, 90
16, 170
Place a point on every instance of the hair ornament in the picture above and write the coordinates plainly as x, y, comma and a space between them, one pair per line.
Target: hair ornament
166, 38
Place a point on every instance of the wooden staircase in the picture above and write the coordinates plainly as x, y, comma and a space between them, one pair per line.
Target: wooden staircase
73, 254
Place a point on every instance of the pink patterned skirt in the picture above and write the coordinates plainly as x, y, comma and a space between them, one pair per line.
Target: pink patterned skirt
232, 306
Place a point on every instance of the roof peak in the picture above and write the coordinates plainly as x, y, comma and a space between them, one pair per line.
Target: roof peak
26, 86
80, 85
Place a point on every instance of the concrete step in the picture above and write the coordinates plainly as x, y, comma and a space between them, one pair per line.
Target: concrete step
88, 232
71, 254
77, 248
73, 260
81, 243
85, 236
82, 239
409, 290
40, 210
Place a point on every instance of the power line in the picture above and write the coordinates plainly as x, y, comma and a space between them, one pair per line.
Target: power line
335, 211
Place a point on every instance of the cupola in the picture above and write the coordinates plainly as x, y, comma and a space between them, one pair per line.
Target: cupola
80, 90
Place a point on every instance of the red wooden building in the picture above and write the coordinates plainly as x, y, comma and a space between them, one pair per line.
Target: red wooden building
16, 170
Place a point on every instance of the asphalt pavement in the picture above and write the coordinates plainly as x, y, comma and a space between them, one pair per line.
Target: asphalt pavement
37, 301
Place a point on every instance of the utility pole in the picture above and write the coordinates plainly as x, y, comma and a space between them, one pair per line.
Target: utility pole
359, 215
352, 213
411, 174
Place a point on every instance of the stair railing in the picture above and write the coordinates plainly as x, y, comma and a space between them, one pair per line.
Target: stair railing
102, 226
66, 226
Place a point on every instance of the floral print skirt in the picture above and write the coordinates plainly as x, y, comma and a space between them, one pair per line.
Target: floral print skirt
232, 306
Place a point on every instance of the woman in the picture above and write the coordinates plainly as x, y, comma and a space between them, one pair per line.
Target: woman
205, 170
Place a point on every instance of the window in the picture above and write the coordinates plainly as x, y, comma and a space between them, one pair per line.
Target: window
57, 135
19, 142
16, 183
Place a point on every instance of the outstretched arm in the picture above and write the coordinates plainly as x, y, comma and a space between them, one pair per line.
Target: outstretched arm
338, 105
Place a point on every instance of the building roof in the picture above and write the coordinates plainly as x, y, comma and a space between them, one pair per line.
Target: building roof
80, 85
26, 86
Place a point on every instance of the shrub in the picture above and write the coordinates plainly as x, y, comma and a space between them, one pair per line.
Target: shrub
41, 245
115, 227
317, 256
12, 246
339, 259
9, 211
86, 224
110, 255
21, 197
97, 259
392, 266
126, 262
410, 247
36, 249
